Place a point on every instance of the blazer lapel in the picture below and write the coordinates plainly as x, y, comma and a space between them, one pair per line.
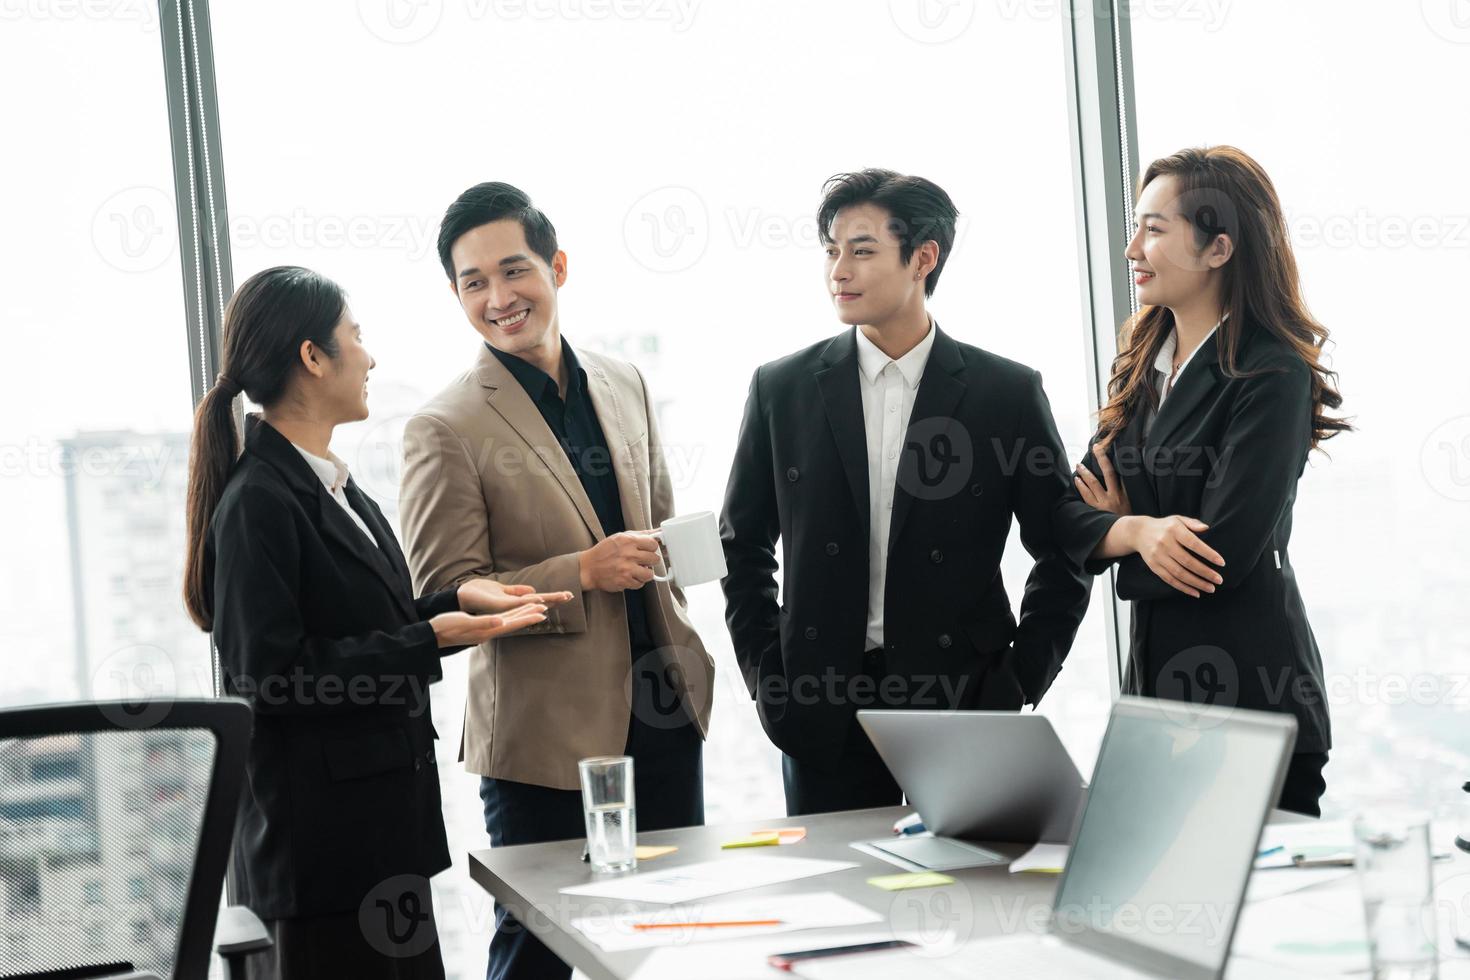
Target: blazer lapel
1196, 381
389, 553
1142, 497
264, 441
940, 391
607, 407
339, 526
508, 398
843, 400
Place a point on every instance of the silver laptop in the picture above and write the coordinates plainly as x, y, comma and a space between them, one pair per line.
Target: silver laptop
981, 775
1156, 878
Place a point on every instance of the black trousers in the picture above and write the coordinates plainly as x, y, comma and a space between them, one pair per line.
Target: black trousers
856, 779
668, 788
394, 937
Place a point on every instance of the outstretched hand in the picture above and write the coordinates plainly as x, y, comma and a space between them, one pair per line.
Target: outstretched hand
487, 596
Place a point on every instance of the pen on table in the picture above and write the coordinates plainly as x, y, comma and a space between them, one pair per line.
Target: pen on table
643, 926
1341, 860
1326, 861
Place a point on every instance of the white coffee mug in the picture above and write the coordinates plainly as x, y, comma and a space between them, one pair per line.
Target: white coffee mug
691, 549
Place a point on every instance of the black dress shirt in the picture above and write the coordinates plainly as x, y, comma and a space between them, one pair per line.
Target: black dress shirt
576, 428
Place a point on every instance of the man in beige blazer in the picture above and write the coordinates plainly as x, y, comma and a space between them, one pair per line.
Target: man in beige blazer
542, 465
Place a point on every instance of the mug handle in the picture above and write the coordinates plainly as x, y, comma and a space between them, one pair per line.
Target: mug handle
663, 554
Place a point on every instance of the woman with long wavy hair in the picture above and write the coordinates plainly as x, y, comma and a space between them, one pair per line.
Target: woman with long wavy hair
298, 576
1217, 396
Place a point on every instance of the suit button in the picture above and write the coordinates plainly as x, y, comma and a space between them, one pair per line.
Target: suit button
944, 641
792, 474
936, 556
976, 489
418, 764
832, 548
811, 633
429, 757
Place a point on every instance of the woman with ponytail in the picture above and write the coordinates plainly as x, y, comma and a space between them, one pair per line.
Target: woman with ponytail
299, 578
1217, 396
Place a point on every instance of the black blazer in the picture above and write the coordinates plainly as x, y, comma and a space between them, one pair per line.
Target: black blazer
1228, 451
981, 447
319, 630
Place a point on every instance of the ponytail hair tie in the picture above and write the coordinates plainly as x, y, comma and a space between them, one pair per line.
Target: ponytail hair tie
231, 386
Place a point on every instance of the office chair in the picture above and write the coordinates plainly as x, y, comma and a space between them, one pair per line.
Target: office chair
115, 827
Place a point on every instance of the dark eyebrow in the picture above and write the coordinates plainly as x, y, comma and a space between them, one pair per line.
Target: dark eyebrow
508, 260
862, 239
1153, 214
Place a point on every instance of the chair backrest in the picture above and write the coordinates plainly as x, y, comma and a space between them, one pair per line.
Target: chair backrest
115, 827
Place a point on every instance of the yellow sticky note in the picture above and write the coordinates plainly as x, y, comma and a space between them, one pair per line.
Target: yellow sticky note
754, 840
784, 835
647, 852
910, 879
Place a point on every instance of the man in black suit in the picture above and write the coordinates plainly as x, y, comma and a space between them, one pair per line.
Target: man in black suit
889, 460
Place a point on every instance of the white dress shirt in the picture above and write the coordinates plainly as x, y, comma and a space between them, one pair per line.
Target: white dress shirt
1164, 363
333, 474
888, 388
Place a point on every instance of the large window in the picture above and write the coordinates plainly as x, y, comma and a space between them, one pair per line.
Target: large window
681, 154
680, 147
93, 460
1373, 182
94, 437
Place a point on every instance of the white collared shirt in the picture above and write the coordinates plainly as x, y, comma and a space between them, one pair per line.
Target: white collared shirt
1164, 363
889, 388
333, 474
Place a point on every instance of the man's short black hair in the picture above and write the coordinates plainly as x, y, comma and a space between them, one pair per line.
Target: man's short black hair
919, 211
494, 201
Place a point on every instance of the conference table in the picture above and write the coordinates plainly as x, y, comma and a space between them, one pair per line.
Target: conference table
1318, 926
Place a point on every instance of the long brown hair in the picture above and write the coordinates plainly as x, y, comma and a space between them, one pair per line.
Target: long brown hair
1221, 190
267, 320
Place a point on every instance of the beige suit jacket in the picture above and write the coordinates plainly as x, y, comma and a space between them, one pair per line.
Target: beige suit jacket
487, 491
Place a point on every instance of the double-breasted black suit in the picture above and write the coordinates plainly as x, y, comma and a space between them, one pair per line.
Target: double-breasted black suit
1228, 451
318, 628
980, 449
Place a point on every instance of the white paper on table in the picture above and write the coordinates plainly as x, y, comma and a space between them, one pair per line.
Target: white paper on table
1320, 934
1292, 837
691, 882
745, 959
1042, 857
818, 910
1274, 882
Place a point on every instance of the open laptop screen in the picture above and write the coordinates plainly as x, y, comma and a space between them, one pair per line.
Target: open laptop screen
1167, 840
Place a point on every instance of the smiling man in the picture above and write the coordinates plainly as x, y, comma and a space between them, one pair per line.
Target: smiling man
542, 464
889, 461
